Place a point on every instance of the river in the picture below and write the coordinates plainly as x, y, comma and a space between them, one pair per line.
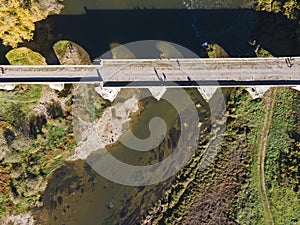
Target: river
103, 22
77, 195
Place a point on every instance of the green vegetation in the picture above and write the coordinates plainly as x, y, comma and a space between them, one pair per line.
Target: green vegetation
36, 133
283, 158
249, 205
88, 103
25, 56
216, 51
21, 99
228, 191
250, 115
17, 18
281, 164
260, 52
210, 195
35, 138
34, 145
70, 53
61, 47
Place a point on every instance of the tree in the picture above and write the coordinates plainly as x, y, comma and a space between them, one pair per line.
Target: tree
17, 18
290, 8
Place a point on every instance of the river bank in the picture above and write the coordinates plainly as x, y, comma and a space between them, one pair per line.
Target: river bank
106, 131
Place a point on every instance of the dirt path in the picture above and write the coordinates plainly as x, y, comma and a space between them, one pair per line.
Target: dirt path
261, 154
17, 101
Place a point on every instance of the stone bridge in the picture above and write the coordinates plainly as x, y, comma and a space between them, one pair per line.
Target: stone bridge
256, 74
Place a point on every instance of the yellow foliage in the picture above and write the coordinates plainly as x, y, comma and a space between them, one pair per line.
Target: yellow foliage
290, 8
17, 18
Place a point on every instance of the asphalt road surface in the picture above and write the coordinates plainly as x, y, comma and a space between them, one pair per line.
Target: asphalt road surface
164, 72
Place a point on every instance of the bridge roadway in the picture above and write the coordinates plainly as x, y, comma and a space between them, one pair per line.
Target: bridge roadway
163, 72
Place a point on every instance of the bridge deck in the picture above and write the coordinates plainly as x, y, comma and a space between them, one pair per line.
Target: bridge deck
156, 72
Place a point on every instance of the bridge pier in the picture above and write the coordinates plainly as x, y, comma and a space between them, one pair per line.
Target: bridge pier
7, 87
207, 91
57, 86
296, 88
108, 93
12, 86
157, 92
257, 92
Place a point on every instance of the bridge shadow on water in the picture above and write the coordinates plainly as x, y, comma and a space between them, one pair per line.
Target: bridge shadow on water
230, 28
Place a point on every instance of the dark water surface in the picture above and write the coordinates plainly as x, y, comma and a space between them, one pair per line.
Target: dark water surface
233, 29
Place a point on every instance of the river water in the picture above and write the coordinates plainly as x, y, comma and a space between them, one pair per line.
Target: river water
232, 24
77, 6
77, 195
94, 25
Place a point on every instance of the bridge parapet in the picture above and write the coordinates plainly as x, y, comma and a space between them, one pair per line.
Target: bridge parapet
206, 74
158, 71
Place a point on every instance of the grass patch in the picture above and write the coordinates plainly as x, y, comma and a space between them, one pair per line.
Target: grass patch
70, 53
25, 56
25, 96
251, 114
283, 158
61, 47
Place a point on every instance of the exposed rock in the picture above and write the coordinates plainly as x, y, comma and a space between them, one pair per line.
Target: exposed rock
110, 205
48, 7
20, 219
106, 130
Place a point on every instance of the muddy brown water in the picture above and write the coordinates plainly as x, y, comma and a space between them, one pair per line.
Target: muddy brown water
77, 195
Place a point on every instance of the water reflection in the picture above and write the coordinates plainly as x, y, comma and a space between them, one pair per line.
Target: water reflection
232, 29
96, 30
78, 6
